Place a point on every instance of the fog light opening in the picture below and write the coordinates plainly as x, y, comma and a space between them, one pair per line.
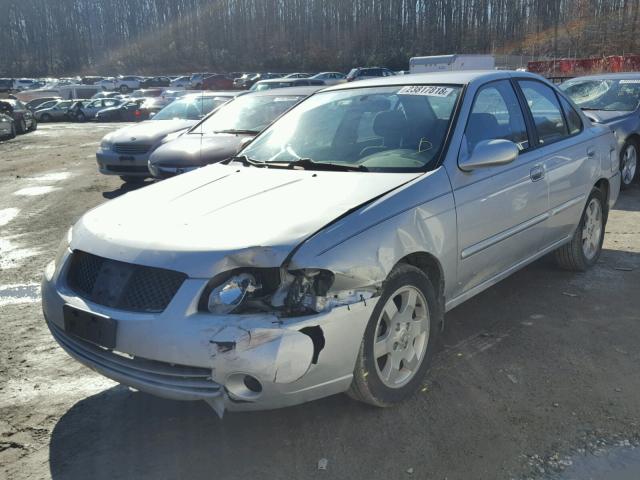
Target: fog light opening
252, 384
241, 386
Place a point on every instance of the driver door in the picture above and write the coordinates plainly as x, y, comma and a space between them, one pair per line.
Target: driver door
501, 210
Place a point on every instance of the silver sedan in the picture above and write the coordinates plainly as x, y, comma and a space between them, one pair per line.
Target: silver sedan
322, 259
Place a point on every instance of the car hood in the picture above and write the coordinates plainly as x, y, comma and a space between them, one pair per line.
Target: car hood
605, 116
225, 216
194, 150
149, 131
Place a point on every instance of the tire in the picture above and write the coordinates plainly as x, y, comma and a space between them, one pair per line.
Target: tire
81, 118
628, 163
132, 179
34, 125
369, 384
22, 126
124, 89
575, 256
45, 117
13, 132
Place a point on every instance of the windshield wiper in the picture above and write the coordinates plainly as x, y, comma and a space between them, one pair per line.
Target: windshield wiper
231, 130
246, 161
309, 164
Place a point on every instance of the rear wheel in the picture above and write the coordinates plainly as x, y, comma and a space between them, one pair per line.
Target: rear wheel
399, 340
124, 89
628, 163
586, 245
45, 117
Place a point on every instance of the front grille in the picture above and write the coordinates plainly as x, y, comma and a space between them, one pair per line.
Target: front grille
131, 148
122, 285
195, 381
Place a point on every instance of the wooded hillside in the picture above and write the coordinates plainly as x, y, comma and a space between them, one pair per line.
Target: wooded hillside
40, 37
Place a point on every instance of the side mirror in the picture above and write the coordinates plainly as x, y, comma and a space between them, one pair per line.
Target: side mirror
489, 153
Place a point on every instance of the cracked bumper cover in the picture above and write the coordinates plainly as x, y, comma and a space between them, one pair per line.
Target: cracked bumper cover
162, 351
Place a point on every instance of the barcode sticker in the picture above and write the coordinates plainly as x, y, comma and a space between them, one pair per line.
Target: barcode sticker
630, 81
429, 91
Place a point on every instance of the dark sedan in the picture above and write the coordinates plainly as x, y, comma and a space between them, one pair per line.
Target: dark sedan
223, 133
22, 116
126, 112
155, 82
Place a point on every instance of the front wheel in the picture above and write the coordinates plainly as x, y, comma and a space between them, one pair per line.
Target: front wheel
399, 340
124, 89
584, 249
628, 163
45, 117
12, 133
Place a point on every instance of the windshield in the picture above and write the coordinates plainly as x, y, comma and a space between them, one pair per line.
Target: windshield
190, 108
248, 113
399, 128
605, 94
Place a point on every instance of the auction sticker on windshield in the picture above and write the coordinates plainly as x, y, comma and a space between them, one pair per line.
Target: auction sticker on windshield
430, 91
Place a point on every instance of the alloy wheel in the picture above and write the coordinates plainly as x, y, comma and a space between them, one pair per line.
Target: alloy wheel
629, 164
402, 335
592, 229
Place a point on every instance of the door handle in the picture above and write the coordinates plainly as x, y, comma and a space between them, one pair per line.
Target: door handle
537, 173
591, 152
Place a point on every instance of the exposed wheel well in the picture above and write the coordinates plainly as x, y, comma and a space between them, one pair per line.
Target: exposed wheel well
603, 186
635, 137
431, 267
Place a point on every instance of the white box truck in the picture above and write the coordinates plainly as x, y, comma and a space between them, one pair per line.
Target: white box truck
445, 63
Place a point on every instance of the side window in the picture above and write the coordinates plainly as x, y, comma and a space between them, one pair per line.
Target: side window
546, 112
496, 114
573, 119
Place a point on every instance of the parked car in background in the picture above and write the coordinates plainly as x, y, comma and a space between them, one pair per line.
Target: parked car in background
6, 84
224, 132
285, 83
146, 93
217, 82
66, 92
155, 104
127, 83
298, 75
104, 94
125, 152
322, 258
155, 82
127, 111
88, 110
195, 81
23, 118
91, 80
240, 81
181, 82
40, 102
108, 83
330, 78
7, 127
613, 100
24, 84
368, 72
58, 111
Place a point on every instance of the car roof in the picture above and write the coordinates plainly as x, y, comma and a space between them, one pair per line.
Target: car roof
609, 76
464, 77
280, 92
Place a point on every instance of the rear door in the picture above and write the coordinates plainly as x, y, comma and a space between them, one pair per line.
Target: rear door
501, 210
567, 152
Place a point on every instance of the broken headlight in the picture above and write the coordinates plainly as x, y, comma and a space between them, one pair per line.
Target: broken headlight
228, 296
239, 291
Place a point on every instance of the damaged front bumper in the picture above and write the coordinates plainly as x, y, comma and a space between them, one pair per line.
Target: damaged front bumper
234, 362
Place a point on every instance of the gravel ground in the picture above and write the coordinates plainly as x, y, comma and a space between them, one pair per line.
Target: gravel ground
537, 369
